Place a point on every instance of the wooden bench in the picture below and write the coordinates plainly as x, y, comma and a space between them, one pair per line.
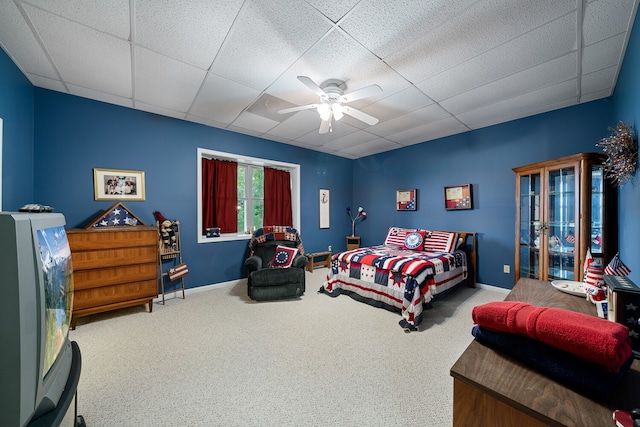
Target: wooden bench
324, 259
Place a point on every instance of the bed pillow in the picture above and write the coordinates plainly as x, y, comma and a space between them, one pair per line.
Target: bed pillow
414, 241
440, 241
396, 235
283, 257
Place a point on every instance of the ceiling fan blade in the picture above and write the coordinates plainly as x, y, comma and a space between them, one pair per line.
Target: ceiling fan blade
300, 108
360, 115
365, 92
325, 125
312, 85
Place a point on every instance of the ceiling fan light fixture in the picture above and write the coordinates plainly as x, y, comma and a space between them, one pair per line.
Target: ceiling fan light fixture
337, 111
324, 110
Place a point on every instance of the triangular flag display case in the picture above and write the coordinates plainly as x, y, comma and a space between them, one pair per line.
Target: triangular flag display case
117, 215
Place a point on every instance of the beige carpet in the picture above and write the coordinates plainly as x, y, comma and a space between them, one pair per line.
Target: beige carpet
220, 359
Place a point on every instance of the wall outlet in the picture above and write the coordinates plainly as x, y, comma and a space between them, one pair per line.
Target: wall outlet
506, 268
330, 249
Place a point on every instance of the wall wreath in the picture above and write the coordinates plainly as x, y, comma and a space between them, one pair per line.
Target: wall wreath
621, 151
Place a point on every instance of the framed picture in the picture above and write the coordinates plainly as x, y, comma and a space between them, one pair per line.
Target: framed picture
406, 200
324, 203
458, 197
116, 184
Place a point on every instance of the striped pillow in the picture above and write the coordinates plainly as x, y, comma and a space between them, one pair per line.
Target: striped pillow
396, 235
440, 241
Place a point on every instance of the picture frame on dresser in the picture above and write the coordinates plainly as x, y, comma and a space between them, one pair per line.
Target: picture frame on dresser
118, 184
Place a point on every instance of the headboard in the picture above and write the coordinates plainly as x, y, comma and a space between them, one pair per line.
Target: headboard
469, 246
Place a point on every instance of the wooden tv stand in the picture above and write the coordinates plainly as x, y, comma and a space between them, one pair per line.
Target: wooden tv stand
113, 267
491, 389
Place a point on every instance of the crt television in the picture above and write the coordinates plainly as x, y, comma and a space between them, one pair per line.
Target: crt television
36, 282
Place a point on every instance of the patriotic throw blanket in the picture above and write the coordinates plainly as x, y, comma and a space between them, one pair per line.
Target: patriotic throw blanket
276, 232
389, 276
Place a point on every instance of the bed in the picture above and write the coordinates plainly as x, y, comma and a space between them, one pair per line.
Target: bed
406, 271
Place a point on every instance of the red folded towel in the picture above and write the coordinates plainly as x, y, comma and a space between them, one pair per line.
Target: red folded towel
598, 340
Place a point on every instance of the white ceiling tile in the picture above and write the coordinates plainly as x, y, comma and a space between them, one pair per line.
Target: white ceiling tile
371, 147
523, 103
606, 18
598, 81
266, 39
603, 54
592, 96
333, 9
100, 61
398, 103
160, 111
428, 131
109, 16
385, 27
189, 30
486, 61
355, 138
253, 122
548, 73
339, 129
47, 83
544, 44
21, 45
481, 28
207, 122
299, 124
100, 96
222, 100
165, 82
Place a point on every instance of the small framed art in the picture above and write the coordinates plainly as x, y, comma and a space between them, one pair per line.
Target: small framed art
324, 203
116, 184
458, 197
406, 200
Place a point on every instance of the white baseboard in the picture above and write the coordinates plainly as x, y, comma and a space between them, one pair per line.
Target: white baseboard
493, 288
189, 291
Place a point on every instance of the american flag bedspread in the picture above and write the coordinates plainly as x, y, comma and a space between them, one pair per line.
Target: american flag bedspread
395, 278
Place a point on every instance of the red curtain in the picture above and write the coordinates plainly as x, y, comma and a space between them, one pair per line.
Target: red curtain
219, 195
277, 198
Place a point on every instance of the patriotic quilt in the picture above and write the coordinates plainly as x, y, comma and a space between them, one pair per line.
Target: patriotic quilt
395, 278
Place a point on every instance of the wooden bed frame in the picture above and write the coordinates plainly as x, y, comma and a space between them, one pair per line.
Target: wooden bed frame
469, 246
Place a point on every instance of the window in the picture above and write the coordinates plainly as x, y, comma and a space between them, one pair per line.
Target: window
250, 192
250, 197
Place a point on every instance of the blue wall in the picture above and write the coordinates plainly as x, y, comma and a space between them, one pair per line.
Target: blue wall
73, 135
16, 111
52, 142
626, 100
484, 158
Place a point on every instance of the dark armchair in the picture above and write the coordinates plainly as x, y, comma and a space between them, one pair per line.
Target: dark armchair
271, 283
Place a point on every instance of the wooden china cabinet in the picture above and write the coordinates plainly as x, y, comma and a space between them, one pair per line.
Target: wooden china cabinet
564, 207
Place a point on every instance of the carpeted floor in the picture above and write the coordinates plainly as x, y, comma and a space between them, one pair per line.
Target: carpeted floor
220, 359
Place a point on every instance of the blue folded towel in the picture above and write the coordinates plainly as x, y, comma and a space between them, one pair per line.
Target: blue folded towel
579, 374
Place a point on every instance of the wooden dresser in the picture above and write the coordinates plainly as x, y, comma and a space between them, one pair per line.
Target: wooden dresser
491, 389
113, 267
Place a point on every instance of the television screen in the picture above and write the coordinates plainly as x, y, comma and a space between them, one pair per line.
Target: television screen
58, 290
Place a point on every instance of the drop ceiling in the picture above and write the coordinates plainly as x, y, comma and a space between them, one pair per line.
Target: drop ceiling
444, 66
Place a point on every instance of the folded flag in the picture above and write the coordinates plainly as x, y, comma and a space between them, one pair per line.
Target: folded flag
616, 267
601, 341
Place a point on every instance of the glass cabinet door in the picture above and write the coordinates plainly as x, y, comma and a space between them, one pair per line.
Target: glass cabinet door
530, 225
597, 211
561, 222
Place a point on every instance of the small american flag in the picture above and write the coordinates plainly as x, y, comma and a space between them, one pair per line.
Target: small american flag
570, 238
616, 267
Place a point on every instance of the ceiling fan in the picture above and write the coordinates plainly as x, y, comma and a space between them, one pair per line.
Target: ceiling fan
332, 100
